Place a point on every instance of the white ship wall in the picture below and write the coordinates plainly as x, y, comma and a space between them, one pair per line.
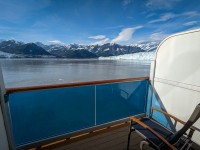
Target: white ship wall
3, 137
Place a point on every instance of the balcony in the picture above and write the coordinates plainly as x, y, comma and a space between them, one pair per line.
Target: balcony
44, 114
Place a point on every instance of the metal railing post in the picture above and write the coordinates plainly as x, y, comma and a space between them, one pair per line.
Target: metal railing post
95, 105
152, 76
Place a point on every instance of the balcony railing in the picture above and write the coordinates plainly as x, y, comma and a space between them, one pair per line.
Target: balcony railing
42, 113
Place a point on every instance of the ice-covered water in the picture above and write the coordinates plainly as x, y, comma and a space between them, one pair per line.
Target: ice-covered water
30, 72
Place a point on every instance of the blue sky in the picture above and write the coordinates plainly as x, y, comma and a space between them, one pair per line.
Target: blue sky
96, 21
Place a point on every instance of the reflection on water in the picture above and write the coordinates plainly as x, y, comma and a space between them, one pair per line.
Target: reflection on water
30, 72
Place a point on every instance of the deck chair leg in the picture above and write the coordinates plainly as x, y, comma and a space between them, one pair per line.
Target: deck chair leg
189, 145
142, 143
129, 137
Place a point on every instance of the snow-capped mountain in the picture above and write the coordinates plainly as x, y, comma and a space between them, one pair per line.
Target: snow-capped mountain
19, 49
108, 49
68, 51
10, 46
148, 46
148, 54
73, 50
112, 49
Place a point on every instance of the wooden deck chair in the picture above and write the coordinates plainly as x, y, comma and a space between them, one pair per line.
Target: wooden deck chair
159, 137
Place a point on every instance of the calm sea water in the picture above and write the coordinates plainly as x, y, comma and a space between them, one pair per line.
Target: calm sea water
31, 72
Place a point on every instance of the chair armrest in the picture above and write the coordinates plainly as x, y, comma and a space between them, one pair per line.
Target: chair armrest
175, 118
153, 131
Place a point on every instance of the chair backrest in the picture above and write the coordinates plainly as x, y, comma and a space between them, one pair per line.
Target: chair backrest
193, 118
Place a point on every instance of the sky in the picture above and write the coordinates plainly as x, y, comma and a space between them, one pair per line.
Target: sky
96, 21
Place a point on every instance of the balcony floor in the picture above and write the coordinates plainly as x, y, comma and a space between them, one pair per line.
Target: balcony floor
113, 140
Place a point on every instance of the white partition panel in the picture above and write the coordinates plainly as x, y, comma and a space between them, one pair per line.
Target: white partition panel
3, 136
177, 75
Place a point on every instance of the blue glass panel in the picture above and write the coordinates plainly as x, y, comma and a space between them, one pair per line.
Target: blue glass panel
120, 100
41, 114
160, 117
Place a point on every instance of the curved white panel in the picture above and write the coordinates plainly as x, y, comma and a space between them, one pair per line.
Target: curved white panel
3, 137
177, 75
178, 58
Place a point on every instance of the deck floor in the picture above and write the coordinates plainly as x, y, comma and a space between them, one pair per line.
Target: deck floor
113, 140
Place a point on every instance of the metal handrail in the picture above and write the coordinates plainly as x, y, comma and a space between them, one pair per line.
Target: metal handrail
42, 87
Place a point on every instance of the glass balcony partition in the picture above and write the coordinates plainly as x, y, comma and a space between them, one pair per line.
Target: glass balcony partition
120, 100
40, 114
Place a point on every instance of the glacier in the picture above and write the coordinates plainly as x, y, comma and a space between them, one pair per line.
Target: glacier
135, 56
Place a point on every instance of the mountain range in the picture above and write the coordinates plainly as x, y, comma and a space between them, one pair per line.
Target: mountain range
16, 49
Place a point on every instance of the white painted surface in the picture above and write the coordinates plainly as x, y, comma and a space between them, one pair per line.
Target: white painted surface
3, 137
178, 59
177, 75
151, 77
4, 145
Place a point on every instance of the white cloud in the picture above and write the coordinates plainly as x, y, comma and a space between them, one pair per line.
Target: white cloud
101, 42
55, 42
127, 2
113, 27
193, 28
97, 37
190, 23
191, 14
125, 35
150, 15
164, 17
168, 16
161, 4
158, 36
